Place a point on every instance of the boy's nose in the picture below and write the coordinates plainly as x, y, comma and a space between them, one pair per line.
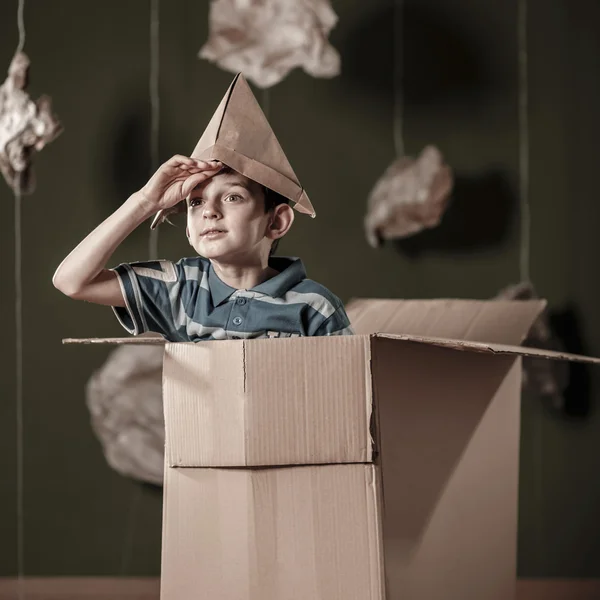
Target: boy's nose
210, 211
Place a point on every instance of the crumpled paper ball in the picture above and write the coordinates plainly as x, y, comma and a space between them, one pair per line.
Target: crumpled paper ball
124, 398
266, 39
411, 195
548, 378
25, 127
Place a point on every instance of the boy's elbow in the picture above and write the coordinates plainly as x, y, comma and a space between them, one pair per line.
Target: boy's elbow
62, 284
57, 281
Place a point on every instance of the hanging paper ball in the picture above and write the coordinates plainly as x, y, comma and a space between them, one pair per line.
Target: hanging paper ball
266, 39
411, 196
25, 127
124, 398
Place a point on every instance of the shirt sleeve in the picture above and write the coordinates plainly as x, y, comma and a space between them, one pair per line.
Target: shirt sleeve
336, 324
152, 292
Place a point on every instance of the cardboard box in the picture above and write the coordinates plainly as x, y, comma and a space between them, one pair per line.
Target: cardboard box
377, 466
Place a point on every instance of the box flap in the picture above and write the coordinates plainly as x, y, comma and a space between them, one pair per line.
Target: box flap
448, 433
499, 321
268, 402
492, 348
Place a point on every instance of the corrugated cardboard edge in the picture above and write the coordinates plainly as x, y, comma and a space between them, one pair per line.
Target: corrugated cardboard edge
370, 453
491, 348
115, 341
443, 342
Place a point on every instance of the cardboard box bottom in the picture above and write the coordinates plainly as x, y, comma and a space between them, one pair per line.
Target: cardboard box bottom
277, 533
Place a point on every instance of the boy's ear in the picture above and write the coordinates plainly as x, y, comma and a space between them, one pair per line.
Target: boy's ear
280, 222
187, 232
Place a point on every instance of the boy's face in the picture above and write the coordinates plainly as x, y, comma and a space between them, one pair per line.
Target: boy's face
226, 218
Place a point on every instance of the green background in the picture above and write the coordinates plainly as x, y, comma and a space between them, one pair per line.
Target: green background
460, 92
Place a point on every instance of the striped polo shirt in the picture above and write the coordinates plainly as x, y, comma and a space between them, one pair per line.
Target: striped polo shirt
187, 302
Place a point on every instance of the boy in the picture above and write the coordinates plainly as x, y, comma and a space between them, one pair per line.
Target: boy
237, 187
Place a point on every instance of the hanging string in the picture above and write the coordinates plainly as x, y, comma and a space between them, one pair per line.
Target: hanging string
525, 232
19, 350
21, 25
154, 108
416, 270
19, 386
397, 77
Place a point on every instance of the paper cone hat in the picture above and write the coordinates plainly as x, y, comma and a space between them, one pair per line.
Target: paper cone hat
240, 136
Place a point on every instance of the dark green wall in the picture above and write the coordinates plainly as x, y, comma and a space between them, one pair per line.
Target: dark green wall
461, 93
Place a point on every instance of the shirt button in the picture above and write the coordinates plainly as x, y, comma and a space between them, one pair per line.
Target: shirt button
237, 320
241, 300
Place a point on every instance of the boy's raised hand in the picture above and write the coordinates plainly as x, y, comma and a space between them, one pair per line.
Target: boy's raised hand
83, 274
174, 180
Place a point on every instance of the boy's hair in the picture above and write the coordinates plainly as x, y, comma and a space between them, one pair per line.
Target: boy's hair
273, 199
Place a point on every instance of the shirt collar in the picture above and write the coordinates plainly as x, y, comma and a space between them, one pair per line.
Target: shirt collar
219, 290
291, 272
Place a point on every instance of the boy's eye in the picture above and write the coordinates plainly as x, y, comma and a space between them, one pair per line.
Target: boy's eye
195, 202
232, 198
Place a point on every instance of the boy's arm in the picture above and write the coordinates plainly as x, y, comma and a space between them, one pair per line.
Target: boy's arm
83, 275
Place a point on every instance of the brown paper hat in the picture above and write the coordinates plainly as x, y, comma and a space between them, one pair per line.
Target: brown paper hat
240, 136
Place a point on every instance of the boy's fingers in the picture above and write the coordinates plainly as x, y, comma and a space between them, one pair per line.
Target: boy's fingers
192, 181
196, 179
179, 159
209, 165
199, 166
187, 164
180, 168
177, 163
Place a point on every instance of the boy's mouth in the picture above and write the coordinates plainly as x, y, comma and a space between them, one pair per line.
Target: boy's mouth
213, 232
